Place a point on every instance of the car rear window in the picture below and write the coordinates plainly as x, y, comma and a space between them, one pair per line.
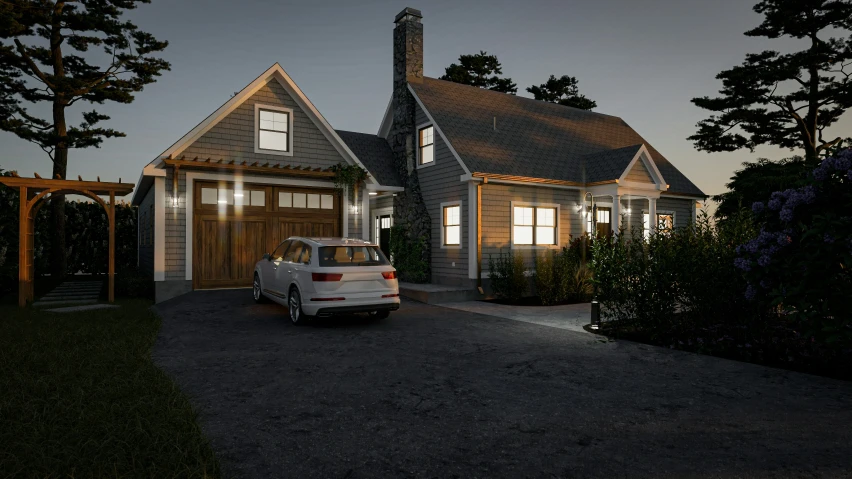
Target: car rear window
351, 256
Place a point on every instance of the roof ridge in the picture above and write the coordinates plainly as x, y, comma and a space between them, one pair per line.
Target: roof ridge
522, 98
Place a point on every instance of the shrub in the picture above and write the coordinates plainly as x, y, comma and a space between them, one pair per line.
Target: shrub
564, 275
546, 281
131, 283
407, 255
674, 282
507, 275
801, 261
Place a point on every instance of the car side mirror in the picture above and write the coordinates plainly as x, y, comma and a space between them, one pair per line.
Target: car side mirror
266, 256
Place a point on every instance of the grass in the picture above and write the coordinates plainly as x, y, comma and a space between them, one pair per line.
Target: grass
81, 397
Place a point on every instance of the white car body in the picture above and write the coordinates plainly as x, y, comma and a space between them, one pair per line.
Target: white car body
327, 290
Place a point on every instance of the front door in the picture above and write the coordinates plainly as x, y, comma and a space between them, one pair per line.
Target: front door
384, 228
604, 221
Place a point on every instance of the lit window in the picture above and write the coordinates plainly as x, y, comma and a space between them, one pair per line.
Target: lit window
665, 222
533, 225
300, 200
208, 196
452, 225
273, 128
313, 201
427, 145
285, 200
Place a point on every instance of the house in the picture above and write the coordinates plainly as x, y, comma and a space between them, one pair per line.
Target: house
476, 171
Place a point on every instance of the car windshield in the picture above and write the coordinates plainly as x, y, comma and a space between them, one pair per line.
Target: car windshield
351, 256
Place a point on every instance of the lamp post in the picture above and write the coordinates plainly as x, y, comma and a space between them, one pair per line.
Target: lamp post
595, 321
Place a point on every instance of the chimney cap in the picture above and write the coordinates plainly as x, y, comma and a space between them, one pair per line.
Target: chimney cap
406, 12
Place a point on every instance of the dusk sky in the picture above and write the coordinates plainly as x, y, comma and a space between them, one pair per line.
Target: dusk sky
640, 60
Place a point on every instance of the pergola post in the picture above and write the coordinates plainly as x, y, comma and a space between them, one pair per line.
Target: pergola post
111, 246
24, 280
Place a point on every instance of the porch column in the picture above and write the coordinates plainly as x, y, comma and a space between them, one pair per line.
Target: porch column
652, 214
365, 216
616, 214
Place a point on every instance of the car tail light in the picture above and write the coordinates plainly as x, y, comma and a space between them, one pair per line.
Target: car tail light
326, 276
389, 275
395, 295
328, 299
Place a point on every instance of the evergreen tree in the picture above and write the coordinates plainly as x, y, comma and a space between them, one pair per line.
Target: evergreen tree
564, 91
46, 58
785, 99
480, 70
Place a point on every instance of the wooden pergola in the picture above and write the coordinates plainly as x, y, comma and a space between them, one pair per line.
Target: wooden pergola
34, 192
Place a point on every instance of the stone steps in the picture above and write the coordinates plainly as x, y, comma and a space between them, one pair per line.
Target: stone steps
72, 293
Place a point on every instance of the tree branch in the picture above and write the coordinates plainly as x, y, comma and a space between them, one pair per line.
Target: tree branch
35, 69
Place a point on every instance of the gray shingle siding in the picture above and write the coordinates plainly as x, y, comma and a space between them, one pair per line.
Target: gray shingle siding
497, 217
439, 183
683, 209
146, 229
176, 229
355, 222
233, 137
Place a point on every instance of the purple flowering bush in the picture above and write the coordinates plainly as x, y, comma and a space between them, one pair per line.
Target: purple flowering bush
799, 263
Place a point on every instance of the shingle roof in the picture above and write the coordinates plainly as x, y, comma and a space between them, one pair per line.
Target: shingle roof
535, 138
375, 153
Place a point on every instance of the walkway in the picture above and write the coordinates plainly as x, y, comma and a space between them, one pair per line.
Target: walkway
567, 316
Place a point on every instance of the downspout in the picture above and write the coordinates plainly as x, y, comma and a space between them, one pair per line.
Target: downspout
479, 235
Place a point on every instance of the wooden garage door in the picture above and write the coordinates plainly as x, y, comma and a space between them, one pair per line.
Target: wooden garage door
234, 226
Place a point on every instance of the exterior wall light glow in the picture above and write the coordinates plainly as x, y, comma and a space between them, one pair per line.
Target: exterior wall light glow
373, 193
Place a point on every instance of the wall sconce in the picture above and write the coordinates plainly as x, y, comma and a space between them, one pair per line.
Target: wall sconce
354, 209
627, 210
175, 201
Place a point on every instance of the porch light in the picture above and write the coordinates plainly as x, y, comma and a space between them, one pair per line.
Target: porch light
373, 193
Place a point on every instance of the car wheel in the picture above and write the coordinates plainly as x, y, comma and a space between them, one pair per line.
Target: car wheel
383, 314
294, 306
256, 291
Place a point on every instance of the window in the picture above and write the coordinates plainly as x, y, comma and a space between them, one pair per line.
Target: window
225, 196
273, 128
294, 252
452, 225
306, 255
278, 254
427, 145
288, 199
665, 223
534, 225
351, 256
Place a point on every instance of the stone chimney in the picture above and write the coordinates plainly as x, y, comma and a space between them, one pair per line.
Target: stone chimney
409, 208
408, 47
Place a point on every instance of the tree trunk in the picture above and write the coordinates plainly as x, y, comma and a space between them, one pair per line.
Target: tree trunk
58, 261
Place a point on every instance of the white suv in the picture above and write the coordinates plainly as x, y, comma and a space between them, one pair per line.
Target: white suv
326, 276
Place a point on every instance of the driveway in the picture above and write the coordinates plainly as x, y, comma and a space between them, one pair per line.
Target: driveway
434, 392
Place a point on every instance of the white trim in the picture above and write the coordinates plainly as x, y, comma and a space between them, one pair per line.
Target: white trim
191, 176
278, 73
645, 157
290, 128
384, 188
387, 120
528, 204
438, 129
417, 129
160, 228
365, 216
685, 197
472, 227
379, 212
345, 200
443, 205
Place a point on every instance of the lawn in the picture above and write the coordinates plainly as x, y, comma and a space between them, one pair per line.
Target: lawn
80, 397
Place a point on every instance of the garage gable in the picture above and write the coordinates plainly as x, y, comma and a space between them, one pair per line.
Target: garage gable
229, 132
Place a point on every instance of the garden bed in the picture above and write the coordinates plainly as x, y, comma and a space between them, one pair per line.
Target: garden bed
779, 346
81, 397
531, 301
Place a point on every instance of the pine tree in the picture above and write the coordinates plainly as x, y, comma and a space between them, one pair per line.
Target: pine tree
564, 91
480, 70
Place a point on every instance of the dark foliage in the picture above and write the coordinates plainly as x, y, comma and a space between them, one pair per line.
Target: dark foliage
785, 99
507, 275
407, 256
801, 262
480, 70
87, 239
564, 91
757, 181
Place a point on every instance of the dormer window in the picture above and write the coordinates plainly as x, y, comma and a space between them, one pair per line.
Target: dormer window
426, 142
273, 130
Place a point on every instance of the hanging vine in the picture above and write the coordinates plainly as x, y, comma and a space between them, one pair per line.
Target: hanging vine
348, 176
